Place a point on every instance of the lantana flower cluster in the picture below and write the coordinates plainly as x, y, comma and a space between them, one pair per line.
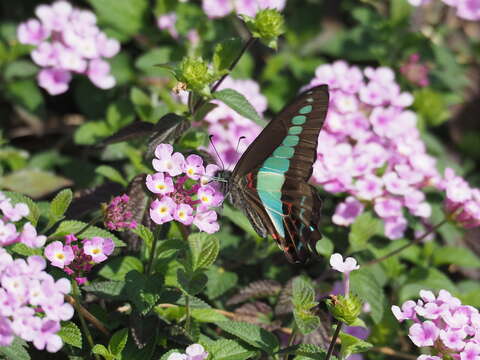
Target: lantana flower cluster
443, 323
9, 225
466, 9
192, 352
221, 8
77, 257
117, 215
370, 147
67, 40
184, 190
32, 302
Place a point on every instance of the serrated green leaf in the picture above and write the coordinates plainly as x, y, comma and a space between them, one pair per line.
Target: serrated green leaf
240, 104
118, 341
225, 53
219, 281
113, 290
455, 255
111, 174
117, 268
305, 321
102, 350
352, 345
208, 315
364, 227
16, 198
59, 206
74, 226
368, 290
251, 334
22, 249
144, 291
191, 283
225, 349
306, 352
303, 294
16, 350
204, 250
71, 334
145, 234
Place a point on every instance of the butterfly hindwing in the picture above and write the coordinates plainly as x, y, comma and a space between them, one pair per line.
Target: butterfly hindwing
270, 180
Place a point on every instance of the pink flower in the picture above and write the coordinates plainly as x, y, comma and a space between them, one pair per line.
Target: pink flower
471, 352
208, 196
423, 334
160, 183
407, 312
217, 8
98, 248
54, 17
30, 238
395, 227
8, 233
14, 212
167, 22
46, 337
347, 266
6, 333
193, 167
161, 211
32, 32
117, 215
207, 221
177, 356
166, 162
369, 187
210, 171
55, 81
99, 74
196, 352
453, 339
183, 213
347, 212
106, 46
387, 207
429, 357
58, 254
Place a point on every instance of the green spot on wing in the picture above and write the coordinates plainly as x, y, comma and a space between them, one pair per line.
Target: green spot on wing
306, 109
275, 165
295, 130
291, 140
299, 120
284, 152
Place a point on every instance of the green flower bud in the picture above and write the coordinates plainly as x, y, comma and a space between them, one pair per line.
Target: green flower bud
267, 25
345, 309
195, 73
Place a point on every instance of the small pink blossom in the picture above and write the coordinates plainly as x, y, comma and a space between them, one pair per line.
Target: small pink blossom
30, 238
453, 339
347, 212
55, 81
395, 227
167, 22
160, 183
207, 221
471, 352
407, 312
32, 32
184, 214
99, 73
58, 254
161, 211
347, 266
98, 248
196, 352
14, 212
8, 233
423, 334
193, 167
166, 162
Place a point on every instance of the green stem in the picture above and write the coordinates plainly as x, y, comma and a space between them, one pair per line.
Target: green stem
162, 234
406, 246
77, 305
187, 314
334, 340
291, 339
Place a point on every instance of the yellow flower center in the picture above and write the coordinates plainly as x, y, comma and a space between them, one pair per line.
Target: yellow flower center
162, 209
205, 198
161, 186
96, 251
181, 214
60, 256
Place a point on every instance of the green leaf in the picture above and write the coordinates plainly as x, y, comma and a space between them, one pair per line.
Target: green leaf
325, 246
19, 69
364, 227
111, 174
73, 227
369, 290
125, 16
305, 321
455, 255
144, 291
208, 315
59, 206
16, 350
24, 250
91, 132
102, 350
118, 341
219, 281
112, 290
19, 198
34, 183
352, 345
303, 293
191, 283
306, 352
225, 53
240, 104
239, 219
251, 334
71, 334
119, 267
204, 250
26, 93
432, 106
149, 61
424, 278
225, 349
170, 352
145, 234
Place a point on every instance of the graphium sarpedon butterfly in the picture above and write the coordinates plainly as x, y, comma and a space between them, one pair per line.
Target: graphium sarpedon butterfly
269, 182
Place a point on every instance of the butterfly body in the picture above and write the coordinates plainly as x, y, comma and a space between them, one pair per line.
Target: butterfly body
269, 182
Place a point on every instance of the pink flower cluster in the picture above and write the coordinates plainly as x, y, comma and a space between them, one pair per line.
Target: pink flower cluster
117, 216
415, 71
221, 8
67, 40
466, 9
31, 302
230, 129
183, 189
76, 257
192, 352
8, 229
461, 201
370, 147
442, 322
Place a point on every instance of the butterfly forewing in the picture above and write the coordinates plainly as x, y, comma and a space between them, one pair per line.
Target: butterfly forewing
270, 180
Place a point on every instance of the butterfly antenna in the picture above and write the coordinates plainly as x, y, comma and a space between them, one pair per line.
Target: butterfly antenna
216, 152
238, 144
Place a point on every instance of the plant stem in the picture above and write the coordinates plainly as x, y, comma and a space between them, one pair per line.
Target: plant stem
291, 339
88, 316
77, 305
249, 42
406, 246
187, 314
333, 341
163, 233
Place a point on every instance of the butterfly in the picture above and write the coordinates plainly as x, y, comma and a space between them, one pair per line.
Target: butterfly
269, 182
